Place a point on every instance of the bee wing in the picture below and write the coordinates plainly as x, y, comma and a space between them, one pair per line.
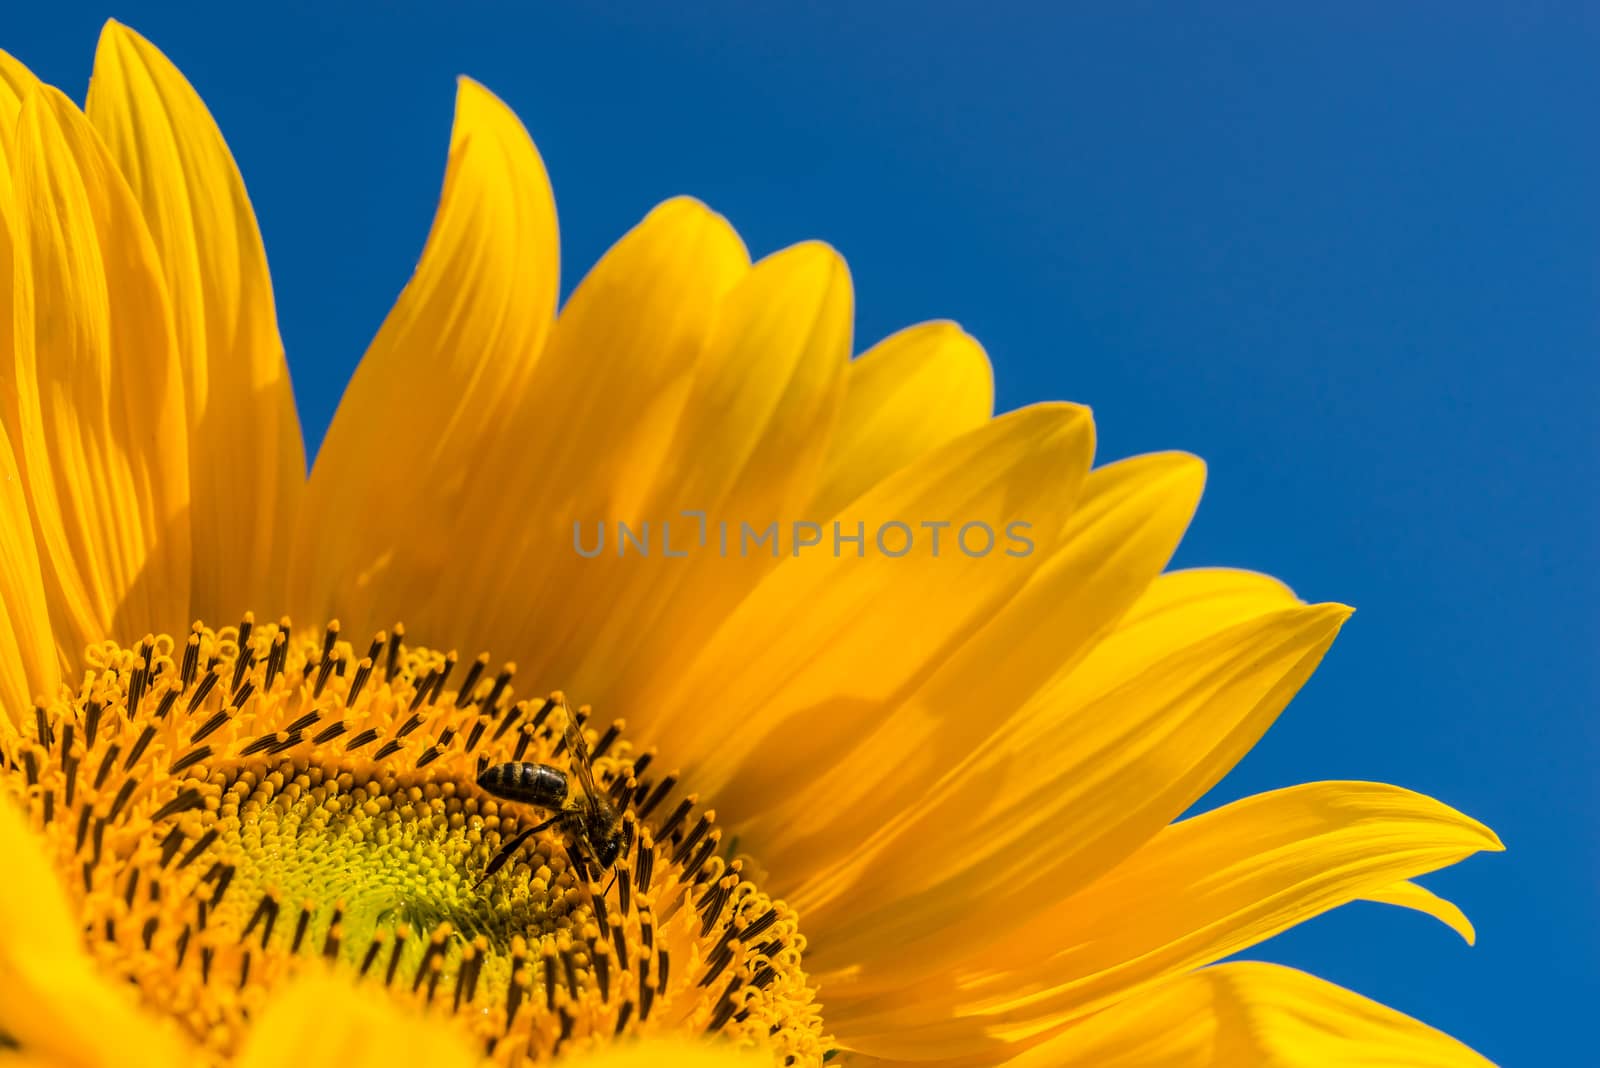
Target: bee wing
580, 764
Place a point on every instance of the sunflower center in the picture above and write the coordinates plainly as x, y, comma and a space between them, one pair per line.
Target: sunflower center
229, 810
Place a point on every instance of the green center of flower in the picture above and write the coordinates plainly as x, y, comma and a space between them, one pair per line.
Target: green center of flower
229, 811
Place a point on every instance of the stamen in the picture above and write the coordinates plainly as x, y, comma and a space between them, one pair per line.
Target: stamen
676, 819
136, 682
278, 656
91, 722
604, 744
701, 826
224, 880
170, 846
493, 699
520, 750
376, 648
400, 935
329, 637
247, 659
146, 736
168, 699
285, 741
124, 794
330, 944
373, 950
201, 692
602, 974
357, 684
470, 683
210, 726
366, 737
188, 799
300, 925
69, 771
323, 672
646, 991
305, 721
191, 660
106, 764
692, 870
434, 950
444, 674
329, 733
395, 636
659, 794
647, 861
266, 913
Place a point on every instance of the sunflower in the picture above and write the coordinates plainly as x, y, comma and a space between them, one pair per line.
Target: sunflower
827, 787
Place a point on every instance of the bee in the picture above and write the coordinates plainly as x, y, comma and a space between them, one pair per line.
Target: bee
590, 820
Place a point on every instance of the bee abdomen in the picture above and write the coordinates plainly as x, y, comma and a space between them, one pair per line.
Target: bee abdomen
528, 783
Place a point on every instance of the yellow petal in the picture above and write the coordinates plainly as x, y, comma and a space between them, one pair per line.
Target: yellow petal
767, 389
324, 1021
100, 435
618, 367
1199, 891
53, 1003
1127, 740
907, 395
1179, 599
1248, 870
440, 379
1123, 529
1409, 895
1244, 1014
797, 674
246, 460
29, 666
16, 82
748, 446
668, 1053
595, 424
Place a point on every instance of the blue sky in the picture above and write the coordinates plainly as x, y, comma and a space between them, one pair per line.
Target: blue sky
1349, 257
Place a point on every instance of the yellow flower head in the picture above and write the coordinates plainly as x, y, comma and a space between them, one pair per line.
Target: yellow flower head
883, 713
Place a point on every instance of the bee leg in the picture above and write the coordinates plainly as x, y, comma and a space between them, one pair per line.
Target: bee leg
509, 850
575, 853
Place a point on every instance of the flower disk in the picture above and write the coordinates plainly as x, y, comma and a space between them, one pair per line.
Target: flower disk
229, 811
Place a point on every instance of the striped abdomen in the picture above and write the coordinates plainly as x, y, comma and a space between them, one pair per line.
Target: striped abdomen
530, 784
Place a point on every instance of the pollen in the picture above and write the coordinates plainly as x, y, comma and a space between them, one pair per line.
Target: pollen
249, 802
